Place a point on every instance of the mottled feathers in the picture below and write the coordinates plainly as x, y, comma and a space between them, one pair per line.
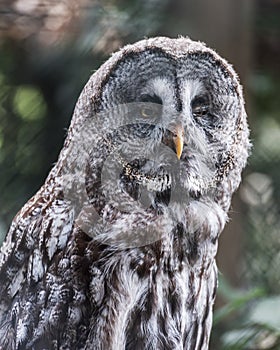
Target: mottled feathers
117, 249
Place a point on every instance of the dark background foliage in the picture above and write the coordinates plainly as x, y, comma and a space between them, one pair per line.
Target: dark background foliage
48, 49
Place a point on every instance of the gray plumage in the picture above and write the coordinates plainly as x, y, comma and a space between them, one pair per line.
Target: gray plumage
117, 249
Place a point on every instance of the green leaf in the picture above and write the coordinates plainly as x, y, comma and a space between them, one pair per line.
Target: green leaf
267, 312
238, 339
237, 299
29, 103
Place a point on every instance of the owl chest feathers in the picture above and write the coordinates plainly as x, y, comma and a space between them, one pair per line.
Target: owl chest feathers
156, 296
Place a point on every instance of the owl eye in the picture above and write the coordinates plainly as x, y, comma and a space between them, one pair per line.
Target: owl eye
200, 106
148, 112
151, 106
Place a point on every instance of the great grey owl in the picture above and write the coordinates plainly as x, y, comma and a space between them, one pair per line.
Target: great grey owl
117, 249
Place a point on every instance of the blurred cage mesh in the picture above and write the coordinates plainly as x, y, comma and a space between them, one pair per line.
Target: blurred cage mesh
261, 192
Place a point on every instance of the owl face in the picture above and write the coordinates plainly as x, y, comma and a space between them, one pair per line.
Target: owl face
159, 139
174, 122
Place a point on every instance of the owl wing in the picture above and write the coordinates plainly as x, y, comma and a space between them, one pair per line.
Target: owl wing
41, 289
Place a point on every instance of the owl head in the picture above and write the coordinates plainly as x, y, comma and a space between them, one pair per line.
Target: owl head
159, 137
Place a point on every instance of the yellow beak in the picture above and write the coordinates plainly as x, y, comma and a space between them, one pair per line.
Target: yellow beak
179, 141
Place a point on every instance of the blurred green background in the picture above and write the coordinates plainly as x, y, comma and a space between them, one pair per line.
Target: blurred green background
48, 50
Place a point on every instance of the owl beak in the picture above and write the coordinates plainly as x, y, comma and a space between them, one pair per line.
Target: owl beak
179, 141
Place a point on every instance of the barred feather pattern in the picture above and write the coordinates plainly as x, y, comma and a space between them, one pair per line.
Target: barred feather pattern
86, 264
91, 296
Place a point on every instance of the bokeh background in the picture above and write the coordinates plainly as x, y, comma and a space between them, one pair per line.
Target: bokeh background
48, 50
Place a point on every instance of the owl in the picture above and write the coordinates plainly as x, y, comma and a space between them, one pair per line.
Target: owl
117, 249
